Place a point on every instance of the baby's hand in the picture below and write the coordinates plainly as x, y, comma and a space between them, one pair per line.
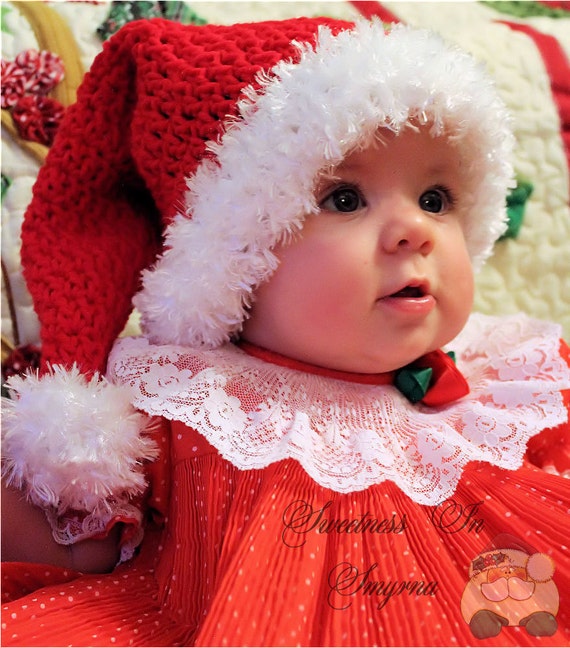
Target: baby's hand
27, 537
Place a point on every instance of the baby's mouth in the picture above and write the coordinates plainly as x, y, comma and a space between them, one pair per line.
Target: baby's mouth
409, 292
413, 299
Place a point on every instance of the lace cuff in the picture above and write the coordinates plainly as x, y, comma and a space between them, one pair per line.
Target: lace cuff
75, 526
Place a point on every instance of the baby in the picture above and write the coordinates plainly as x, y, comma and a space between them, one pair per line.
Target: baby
381, 275
289, 453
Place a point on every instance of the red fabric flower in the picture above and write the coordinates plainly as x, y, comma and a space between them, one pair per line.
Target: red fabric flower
13, 84
37, 118
31, 73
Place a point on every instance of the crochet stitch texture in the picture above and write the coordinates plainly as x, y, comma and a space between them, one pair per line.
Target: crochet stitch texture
151, 102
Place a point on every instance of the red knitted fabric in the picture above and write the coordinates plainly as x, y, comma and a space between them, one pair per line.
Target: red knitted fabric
117, 171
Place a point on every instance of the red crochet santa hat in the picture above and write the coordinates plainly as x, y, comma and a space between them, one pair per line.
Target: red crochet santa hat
191, 152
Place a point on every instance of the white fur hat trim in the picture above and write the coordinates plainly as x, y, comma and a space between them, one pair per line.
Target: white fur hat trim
305, 117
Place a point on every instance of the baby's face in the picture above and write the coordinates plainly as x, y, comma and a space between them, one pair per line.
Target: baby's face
381, 275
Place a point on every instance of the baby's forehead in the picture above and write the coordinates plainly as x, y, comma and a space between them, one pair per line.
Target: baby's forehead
436, 153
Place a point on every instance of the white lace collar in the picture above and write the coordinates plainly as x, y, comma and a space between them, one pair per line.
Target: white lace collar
348, 436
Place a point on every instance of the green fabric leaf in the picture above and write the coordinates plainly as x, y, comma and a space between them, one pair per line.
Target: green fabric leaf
6, 182
516, 205
413, 383
123, 12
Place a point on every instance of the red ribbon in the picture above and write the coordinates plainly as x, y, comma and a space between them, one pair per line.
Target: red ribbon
447, 383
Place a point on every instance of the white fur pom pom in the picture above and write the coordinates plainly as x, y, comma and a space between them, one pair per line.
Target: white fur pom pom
72, 443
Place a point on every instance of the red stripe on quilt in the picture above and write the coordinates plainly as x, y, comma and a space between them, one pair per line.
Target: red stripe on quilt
556, 4
370, 9
558, 68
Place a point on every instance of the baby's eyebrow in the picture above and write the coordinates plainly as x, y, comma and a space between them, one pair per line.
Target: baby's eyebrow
335, 173
326, 176
349, 165
438, 169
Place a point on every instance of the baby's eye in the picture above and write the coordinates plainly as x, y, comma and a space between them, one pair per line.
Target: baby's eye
343, 199
436, 200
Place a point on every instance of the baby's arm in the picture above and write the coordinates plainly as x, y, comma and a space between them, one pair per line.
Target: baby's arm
27, 537
84, 466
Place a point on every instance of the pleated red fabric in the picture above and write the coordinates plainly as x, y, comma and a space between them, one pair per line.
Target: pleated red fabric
267, 557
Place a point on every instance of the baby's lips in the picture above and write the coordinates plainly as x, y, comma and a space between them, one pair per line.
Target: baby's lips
412, 289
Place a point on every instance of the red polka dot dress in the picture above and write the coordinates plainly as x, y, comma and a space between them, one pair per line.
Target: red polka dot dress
264, 536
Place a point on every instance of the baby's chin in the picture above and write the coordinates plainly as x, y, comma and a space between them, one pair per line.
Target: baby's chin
369, 365
383, 364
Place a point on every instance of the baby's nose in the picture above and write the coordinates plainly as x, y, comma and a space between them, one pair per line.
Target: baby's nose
407, 228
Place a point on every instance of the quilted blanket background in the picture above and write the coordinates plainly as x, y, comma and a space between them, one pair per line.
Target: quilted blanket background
525, 45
